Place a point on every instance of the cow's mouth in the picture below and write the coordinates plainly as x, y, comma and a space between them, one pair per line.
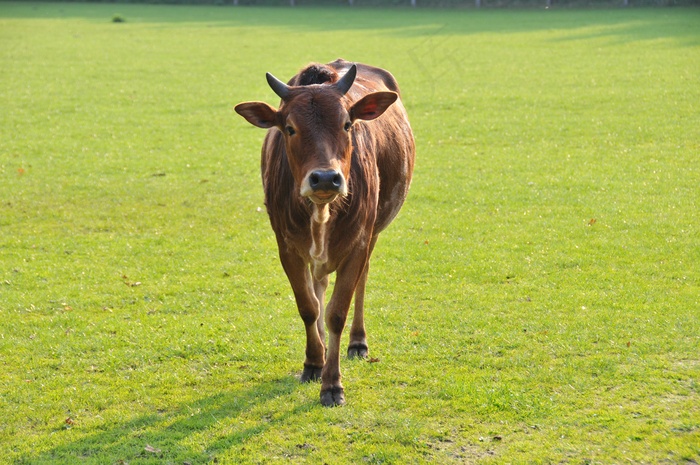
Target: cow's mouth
323, 197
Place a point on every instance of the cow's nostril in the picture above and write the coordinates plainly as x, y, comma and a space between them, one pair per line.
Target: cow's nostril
337, 181
314, 179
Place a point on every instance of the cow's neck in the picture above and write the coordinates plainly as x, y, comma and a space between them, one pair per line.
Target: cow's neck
319, 234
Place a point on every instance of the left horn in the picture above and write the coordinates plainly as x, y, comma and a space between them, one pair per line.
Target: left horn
280, 88
345, 82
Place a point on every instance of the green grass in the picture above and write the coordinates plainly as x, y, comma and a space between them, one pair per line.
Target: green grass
537, 300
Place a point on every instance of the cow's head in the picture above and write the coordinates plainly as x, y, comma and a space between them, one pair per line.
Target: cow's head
316, 123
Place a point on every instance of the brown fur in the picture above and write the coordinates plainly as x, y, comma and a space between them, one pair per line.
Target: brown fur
376, 161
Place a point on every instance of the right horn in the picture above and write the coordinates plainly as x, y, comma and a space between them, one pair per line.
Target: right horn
345, 83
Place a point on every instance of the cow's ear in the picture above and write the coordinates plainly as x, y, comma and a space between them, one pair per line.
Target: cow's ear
372, 105
258, 114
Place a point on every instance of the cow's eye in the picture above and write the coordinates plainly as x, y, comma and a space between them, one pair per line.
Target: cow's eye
347, 126
290, 130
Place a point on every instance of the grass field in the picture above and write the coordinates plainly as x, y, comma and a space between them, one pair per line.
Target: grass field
537, 300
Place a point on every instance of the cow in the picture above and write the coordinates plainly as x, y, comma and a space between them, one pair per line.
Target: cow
336, 163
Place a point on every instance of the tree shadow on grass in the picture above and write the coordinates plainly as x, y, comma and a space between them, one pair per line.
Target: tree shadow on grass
194, 432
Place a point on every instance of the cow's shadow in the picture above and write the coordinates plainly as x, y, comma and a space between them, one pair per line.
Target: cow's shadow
172, 437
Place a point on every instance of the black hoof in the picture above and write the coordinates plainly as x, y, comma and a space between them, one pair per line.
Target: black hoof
333, 397
310, 374
358, 350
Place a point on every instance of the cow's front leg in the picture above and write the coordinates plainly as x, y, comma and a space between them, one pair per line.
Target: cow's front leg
347, 277
309, 309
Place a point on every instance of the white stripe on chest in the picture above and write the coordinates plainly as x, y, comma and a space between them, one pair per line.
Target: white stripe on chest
319, 233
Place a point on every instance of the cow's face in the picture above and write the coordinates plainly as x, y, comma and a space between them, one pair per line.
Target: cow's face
316, 128
316, 122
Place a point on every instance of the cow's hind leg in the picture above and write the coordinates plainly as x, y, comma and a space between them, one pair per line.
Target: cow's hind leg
358, 348
320, 286
313, 372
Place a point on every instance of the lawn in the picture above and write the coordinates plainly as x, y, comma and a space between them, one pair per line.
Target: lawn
536, 301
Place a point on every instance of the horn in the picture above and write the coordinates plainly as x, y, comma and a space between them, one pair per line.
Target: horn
279, 87
345, 83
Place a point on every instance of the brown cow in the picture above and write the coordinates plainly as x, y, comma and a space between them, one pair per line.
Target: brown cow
333, 180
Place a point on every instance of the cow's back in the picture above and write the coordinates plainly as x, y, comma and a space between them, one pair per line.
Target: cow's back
389, 138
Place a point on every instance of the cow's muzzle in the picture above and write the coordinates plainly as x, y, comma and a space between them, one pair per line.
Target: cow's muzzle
330, 181
325, 185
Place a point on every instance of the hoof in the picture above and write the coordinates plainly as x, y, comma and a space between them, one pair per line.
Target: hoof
358, 350
333, 397
310, 374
